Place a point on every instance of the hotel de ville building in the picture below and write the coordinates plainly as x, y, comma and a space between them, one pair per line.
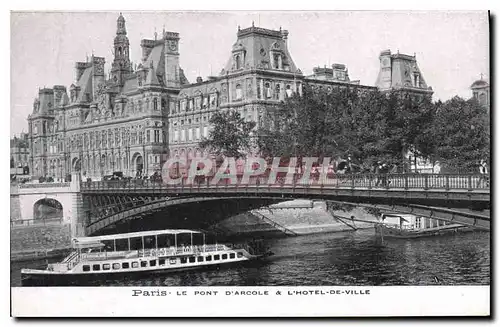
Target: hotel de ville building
136, 117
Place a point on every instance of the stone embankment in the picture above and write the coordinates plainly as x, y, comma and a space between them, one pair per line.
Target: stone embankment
39, 241
300, 216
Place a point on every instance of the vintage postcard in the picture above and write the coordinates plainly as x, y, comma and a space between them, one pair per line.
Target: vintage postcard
250, 163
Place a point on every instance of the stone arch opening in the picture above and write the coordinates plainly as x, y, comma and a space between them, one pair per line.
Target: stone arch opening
47, 209
76, 164
137, 164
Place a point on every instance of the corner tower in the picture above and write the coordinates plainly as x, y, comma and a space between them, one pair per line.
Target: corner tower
120, 67
260, 48
400, 71
481, 92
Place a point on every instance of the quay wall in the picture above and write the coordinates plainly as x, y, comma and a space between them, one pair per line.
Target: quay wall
301, 220
29, 242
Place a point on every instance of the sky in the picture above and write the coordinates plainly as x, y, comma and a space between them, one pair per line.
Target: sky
452, 48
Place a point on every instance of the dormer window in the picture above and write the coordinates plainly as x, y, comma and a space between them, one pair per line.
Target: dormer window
237, 60
276, 61
416, 80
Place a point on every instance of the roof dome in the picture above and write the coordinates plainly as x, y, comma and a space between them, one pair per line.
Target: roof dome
479, 84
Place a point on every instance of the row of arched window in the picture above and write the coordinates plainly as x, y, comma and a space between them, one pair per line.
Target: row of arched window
137, 106
198, 102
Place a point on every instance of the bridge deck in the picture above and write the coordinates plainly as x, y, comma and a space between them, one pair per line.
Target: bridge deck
406, 192
481, 195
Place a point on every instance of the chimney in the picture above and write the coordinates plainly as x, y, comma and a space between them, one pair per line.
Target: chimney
147, 46
284, 36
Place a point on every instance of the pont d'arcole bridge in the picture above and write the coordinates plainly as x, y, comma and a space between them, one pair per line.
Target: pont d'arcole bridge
204, 201
113, 206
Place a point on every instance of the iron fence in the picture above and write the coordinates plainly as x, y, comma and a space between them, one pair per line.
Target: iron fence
346, 181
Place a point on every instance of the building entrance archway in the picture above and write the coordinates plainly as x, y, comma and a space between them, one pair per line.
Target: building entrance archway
137, 164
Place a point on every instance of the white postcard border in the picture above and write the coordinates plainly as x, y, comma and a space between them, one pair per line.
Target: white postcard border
393, 300
290, 301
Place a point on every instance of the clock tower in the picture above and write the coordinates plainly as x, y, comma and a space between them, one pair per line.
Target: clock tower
172, 70
121, 62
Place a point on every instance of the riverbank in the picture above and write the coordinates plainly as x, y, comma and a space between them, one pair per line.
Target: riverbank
37, 242
38, 254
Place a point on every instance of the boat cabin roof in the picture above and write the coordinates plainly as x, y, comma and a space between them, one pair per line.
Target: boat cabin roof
96, 239
397, 215
83, 245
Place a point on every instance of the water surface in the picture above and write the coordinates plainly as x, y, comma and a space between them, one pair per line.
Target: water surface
347, 258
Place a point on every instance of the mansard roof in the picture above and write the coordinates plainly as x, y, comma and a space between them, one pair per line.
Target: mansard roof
157, 57
64, 100
257, 44
85, 84
130, 85
151, 78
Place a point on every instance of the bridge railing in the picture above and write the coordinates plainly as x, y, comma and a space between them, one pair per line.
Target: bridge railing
35, 222
368, 181
44, 185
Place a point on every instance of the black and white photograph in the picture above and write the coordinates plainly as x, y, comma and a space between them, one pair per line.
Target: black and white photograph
236, 156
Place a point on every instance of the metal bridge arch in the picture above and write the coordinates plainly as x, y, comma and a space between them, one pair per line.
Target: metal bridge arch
141, 206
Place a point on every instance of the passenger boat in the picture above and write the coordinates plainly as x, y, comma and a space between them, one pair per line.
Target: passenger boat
411, 226
151, 252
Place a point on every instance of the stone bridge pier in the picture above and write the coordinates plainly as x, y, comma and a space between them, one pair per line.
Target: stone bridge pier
26, 197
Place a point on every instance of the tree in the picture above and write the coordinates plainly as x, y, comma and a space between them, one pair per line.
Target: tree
460, 134
306, 125
231, 135
365, 124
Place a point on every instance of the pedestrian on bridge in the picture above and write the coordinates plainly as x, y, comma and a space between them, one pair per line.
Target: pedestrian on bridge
384, 170
378, 167
483, 170
436, 170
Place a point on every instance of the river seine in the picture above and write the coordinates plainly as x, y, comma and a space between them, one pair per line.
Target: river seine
347, 258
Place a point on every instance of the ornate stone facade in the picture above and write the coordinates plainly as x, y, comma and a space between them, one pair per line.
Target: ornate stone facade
139, 116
